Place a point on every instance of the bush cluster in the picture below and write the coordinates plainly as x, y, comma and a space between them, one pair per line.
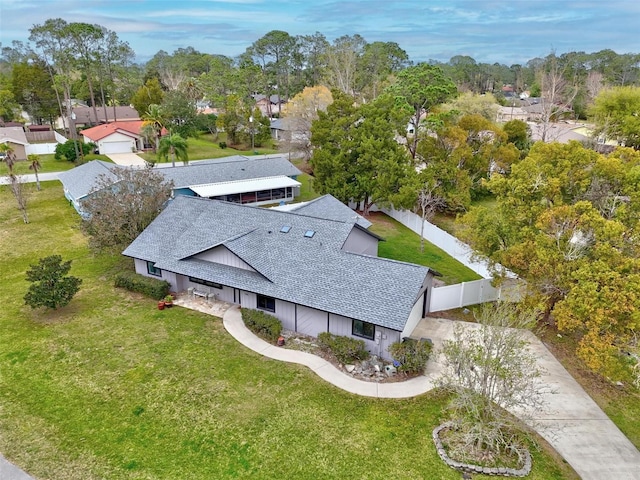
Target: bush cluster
262, 324
151, 287
412, 355
346, 349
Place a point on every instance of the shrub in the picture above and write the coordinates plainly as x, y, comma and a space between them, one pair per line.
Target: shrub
412, 355
262, 324
151, 287
346, 349
222, 145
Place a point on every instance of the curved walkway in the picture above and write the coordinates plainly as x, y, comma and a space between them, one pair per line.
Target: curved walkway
571, 422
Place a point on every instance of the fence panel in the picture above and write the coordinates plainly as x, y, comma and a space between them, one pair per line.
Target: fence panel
463, 295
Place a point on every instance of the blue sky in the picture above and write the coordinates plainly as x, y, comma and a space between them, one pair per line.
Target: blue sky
491, 31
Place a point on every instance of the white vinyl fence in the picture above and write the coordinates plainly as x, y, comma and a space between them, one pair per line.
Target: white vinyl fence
45, 148
441, 239
461, 294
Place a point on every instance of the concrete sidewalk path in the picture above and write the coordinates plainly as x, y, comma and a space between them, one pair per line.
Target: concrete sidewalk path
233, 323
8, 471
571, 422
31, 178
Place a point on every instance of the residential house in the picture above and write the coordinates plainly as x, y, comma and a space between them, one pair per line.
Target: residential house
16, 139
314, 274
506, 114
117, 137
261, 180
269, 106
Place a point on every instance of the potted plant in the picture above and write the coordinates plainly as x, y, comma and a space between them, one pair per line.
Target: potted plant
161, 304
168, 301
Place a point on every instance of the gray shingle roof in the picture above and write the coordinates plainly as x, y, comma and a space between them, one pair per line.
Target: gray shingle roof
330, 208
79, 181
225, 170
308, 271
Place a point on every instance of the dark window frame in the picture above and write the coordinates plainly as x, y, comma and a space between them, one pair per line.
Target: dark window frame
206, 283
153, 270
361, 331
264, 302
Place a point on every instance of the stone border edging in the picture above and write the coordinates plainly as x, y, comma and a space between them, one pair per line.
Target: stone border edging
470, 468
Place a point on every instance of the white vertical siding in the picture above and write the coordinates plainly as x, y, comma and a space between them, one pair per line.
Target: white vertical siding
311, 321
286, 313
361, 242
224, 256
248, 299
414, 317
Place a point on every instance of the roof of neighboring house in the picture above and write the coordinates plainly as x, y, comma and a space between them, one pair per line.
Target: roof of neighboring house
559, 132
13, 135
272, 98
130, 128
313, 271
230, 169
85, 115
80, 181
328, 207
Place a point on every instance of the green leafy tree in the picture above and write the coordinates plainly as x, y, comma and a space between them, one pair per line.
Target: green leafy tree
150, 93
518, 133
616, 114
175, 147
50, 286
9, 108
357, 156
72, 150
566, 221
419, 89
179, 112
32, 88
155, 119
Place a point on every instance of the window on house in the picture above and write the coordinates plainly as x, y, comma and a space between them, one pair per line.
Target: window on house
363, 329
205, 282
266, 303
153, 270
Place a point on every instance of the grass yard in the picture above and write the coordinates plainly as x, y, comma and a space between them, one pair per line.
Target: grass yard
205, 147
404, 245
110, 387
48, 163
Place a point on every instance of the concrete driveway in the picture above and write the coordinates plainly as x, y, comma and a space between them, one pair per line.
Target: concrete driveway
127, 159
571, 422
9, 471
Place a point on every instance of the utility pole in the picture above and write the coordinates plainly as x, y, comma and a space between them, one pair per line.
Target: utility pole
251, 126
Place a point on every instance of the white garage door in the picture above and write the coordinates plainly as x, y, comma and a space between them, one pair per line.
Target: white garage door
116, 147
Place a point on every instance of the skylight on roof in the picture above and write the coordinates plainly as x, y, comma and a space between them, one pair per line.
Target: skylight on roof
309, 233
285, 229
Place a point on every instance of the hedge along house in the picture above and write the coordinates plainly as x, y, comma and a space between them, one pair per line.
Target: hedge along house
314, 274
250, 180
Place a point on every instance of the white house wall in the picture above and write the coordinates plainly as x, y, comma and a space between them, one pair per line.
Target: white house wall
361, 242
224, 256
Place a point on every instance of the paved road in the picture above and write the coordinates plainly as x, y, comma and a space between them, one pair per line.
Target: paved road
31, 178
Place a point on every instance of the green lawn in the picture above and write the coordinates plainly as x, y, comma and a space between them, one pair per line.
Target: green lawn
403, 244
206, 146
110, 387
48, 164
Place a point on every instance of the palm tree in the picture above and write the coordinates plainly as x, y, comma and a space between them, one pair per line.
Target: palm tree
173, 145
35, 166
9, 156
155, 117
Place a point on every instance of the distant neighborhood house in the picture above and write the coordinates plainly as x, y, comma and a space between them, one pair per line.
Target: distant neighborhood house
261, 180
118, 137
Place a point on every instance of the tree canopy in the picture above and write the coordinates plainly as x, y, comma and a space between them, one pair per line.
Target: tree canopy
50, 286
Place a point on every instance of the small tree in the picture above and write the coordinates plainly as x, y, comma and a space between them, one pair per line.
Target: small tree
175, 146
34, 164
118, 211
50, 287
490, 369
15, 181
70, 149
